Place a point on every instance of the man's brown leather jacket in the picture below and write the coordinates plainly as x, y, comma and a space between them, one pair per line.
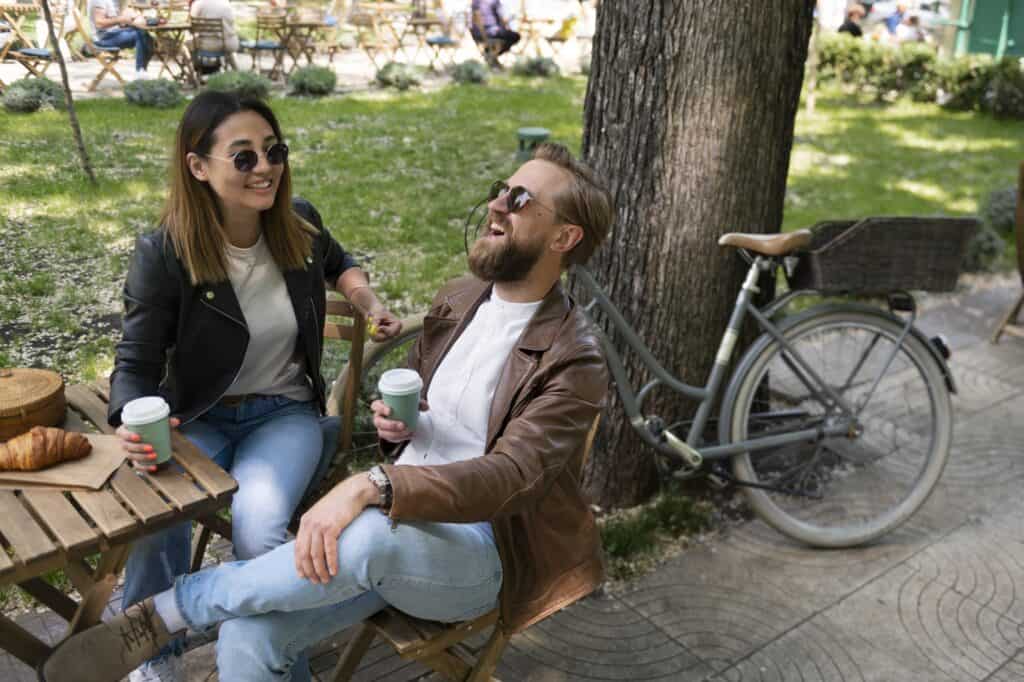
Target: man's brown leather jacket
551, 389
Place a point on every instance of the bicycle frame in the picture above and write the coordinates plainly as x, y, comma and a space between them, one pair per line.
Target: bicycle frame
662, 439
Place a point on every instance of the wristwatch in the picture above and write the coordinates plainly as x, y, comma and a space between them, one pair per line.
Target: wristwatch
380, 479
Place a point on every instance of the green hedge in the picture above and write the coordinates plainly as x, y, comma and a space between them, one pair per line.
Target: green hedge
312, 81
967, 83
159, 93
245, 83
29, 94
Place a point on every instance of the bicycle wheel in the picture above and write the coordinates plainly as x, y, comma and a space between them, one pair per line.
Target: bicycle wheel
377, 358
846, 490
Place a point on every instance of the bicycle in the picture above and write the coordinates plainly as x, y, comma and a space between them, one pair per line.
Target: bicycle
836, 421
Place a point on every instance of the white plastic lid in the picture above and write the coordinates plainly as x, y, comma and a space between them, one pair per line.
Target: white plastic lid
145, 410
400, 382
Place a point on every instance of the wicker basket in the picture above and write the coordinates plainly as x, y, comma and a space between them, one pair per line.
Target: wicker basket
878, 255
29, 397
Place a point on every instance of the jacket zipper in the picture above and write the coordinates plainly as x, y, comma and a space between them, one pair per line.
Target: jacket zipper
237, 371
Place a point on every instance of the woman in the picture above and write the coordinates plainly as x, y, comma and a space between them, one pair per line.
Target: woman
224, 316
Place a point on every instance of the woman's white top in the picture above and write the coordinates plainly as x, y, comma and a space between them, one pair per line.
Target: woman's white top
272, 364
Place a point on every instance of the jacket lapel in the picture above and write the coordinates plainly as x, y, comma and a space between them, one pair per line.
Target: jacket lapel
525, 357
221, 297
460, 307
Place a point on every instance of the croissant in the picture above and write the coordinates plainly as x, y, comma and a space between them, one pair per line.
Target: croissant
42, 447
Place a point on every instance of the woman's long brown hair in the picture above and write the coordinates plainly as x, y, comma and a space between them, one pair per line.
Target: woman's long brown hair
192, 215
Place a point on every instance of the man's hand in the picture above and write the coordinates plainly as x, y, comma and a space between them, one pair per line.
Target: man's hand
316, 544
391, 430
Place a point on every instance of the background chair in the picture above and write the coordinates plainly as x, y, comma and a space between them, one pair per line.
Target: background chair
106, 57
37, 60
1008, 324
439, 646
271, 33
209, 53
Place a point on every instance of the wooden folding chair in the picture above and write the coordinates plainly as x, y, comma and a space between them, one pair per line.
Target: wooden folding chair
439, 646
106, 57
1008, 324
36, 60
208, 49
369, 37
271, 35
332, 470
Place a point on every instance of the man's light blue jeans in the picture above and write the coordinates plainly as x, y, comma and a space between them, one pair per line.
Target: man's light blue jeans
272, 446
437, 571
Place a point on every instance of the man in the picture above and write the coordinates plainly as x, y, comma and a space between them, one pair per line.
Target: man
483, 507
490, 27
112, 28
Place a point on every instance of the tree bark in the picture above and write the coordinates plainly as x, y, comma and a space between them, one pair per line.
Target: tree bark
689, 117
76, 131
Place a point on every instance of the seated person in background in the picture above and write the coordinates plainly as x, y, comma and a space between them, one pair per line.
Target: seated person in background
490, 25
854, 16
112, 28
218, 9
909, 30
482, 508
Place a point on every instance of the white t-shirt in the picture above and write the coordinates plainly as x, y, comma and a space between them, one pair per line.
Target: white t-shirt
109, 8
462, 390
272, 365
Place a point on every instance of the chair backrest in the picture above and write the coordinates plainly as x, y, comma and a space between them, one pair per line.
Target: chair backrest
207, 34
83, 29
355, 334
1019, 229
270, 24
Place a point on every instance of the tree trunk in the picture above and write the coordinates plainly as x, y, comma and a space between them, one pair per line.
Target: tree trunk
689, 117
76, 131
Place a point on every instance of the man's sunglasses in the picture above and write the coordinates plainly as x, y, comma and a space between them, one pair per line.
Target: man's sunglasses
516, 198
247, 159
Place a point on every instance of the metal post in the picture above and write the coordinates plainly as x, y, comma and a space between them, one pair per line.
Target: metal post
1004, 31
963, 28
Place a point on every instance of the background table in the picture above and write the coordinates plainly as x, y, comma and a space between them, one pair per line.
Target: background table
169, 47
46, 530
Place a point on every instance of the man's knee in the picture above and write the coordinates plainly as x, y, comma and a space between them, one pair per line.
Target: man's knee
368, 546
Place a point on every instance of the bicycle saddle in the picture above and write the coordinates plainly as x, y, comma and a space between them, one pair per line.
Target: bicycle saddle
768, 244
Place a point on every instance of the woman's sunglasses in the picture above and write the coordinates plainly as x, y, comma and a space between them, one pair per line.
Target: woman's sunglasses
516, 198
247, 159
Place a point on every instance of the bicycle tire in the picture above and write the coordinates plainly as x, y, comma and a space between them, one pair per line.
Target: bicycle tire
869, 484
373, 354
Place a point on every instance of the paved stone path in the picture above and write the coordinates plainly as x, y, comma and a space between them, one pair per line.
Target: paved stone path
935, 600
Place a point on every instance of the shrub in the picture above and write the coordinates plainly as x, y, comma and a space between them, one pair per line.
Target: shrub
315, 81
245, 83
470, 71
983, 250
1000, 211
962, 82
29, 94
542, 67
160, 93
400, 76
21, 101
1004, 97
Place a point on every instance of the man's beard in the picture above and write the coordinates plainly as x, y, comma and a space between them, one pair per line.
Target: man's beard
507, 262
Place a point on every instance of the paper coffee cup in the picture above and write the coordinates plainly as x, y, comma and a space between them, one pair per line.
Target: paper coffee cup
400, 390
148, 417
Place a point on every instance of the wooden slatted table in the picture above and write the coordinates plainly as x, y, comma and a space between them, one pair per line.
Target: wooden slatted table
44, 530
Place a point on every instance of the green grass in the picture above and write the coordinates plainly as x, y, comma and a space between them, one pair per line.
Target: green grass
394, 176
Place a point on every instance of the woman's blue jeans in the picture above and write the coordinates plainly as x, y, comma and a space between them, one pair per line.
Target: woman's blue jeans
272, 446
437, 571
130, 37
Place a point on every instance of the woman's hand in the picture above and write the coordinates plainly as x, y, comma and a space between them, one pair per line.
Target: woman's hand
391, 430
316, 543
383, 325
141, 455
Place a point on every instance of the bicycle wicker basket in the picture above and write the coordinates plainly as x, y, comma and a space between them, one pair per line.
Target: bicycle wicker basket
878, 255
29, 397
